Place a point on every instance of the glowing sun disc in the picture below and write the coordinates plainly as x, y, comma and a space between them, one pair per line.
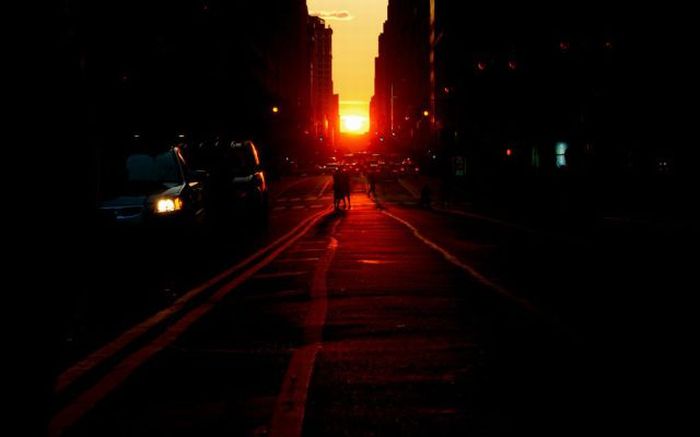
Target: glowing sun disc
353, 123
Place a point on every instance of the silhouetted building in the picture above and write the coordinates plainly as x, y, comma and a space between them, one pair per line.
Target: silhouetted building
194, 67
400, 107
528, 97
324, 104
525, 94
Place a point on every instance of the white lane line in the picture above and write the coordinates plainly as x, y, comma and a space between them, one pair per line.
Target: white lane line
281, 199
71, 413
76, 371
323, 188
290, 408
295, 199
466, 267
315, 206
412, 191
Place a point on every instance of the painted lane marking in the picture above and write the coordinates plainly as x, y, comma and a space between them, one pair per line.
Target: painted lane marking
375, 261
466, 267
70, 375
71, 413
290, 408
412, 191
324, 187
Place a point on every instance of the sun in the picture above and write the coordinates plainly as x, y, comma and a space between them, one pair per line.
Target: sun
353, 123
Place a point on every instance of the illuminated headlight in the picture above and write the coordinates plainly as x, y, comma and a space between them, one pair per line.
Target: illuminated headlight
166, 205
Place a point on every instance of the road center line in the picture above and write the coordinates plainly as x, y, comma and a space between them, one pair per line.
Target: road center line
70, 414
288, 417
323, 188
107, 351
466, 267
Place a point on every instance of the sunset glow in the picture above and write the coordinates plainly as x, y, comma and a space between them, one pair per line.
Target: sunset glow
356, 26
354, 124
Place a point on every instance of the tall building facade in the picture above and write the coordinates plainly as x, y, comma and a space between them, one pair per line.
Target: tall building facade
324, 103
521, 96
400, 109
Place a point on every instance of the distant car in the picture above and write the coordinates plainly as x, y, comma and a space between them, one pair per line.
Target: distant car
151, 188
330, 168
238, 182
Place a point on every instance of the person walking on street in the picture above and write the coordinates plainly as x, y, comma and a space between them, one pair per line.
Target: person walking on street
346, 190
371, 193
337, 189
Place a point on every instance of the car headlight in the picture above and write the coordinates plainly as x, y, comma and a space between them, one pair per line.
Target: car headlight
168, 204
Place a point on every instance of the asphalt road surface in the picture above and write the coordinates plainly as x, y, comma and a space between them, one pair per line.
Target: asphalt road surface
383, 319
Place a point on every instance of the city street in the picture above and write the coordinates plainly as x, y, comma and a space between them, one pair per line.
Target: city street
366, 218
383, 319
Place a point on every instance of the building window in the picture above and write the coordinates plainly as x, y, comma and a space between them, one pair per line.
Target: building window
560, 151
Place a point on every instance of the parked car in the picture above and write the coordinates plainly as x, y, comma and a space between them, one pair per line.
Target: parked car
151, 187
238, 182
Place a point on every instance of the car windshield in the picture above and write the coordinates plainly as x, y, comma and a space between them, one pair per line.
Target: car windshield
138, 173
229, 161
161, 168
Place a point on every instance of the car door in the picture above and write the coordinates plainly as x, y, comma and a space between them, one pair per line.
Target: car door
195, 181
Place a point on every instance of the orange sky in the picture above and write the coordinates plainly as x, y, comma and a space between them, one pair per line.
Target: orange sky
355, 32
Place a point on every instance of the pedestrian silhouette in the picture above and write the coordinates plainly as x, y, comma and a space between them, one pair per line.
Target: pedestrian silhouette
345, 187
337, 188
372, 185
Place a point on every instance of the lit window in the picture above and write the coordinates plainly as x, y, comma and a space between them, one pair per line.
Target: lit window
560, 150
